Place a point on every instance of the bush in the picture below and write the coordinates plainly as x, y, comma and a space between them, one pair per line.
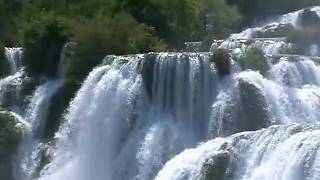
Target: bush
254, 59
102, 36
43, 41
222, 60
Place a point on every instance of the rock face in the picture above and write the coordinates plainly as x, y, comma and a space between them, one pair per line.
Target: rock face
309, 18
10, 137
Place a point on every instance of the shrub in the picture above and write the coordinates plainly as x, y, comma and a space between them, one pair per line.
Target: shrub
254, 59
43, 41
222, 60
104, 36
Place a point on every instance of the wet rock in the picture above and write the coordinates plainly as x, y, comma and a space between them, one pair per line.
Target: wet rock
254, 59
147, 70
215, 168
10, 137
309, 18
254, 109
222, 61
275, 30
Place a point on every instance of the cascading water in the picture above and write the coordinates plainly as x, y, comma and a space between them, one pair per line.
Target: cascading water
9, 86
33, 117
29, 157
14, 56
279, 152
134, 114
125, 131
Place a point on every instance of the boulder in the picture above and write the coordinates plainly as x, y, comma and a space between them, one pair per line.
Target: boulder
254, 59
10, 137
309, 18
215, 168
222, 61
254, 108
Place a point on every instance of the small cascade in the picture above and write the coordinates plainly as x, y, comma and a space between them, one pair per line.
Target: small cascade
30, 152
279, 152
14, 56
10, 86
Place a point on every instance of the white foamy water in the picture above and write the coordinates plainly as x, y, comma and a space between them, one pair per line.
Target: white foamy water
280, 152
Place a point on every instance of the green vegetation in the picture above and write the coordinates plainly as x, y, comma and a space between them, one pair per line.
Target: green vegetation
254, 59
102, 27
43, 41
222, 60
9, 139
93, 42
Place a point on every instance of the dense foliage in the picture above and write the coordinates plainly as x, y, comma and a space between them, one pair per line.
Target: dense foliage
101, 27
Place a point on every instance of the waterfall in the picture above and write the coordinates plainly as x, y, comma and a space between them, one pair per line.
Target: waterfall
135, 114
10, 85
14, 56
30, 151
280, 152
171, 116
33, 116
123, 131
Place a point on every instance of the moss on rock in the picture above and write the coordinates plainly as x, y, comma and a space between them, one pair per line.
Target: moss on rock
254, 59
10, 137
222, 60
